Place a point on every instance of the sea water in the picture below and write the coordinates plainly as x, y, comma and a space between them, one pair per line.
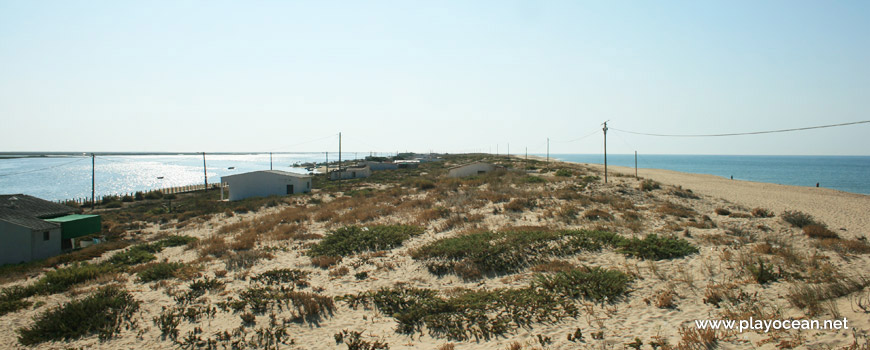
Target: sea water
843, 173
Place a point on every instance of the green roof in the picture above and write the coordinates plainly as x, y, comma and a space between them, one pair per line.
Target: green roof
72, 226
73, 217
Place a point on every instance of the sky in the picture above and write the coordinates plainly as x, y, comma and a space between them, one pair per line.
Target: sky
442, 76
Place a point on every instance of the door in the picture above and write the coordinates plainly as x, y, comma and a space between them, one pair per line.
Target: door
289, 189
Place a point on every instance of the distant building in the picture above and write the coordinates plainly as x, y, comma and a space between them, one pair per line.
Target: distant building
475, 168
406, 164
33, 228
350, 173
264, 183
376, 166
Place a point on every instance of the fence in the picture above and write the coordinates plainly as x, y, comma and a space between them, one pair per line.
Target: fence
164, 191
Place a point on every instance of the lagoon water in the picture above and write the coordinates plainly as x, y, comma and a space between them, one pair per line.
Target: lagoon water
59, 178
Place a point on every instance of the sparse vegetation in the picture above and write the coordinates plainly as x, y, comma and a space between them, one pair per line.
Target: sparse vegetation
104, 313
798, 219
354, 239
653, 247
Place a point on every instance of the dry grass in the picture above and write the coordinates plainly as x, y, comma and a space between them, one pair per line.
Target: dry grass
597, 214
819, 231
673, 209
324, 262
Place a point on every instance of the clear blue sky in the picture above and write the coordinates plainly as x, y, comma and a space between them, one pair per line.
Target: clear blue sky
448, 76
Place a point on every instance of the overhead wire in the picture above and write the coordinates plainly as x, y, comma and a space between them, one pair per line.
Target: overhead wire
46, 168
742, 133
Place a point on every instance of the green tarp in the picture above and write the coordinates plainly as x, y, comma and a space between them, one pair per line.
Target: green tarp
72, 226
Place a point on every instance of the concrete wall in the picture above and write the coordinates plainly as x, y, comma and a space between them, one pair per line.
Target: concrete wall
263, 184
470, 169
42, 248
351, 173
20, 244
375, 166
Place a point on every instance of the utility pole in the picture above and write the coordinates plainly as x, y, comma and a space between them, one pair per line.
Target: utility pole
527, 153
204, 171
605, 151
509, 149
339, 160
270, 160
548, 153
93, 181
635, 165
327, 165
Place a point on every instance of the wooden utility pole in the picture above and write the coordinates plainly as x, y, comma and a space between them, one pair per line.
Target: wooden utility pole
548, 153
635, 165
270, 160
327, 165
93, 181
605, 152
339, 160
204, 171
527, 153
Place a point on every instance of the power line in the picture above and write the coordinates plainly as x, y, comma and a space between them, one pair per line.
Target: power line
46, 168
742, 133
577, 139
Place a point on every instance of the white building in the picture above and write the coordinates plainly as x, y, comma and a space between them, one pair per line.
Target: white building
24, 235
375, 166
350, 173
264, 183
470, 169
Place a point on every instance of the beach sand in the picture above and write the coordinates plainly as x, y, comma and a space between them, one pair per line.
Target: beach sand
725, 250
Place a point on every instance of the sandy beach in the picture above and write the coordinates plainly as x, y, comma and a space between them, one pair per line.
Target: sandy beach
716, 277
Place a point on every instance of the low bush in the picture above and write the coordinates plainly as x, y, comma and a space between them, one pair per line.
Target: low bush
564, 173
63, 279
762, 213
354, 239
283, 276
486, 314
669, 208
104, 313
520, 204
762, 273
798, 219
649, 185
473, 254
653, 247
304, 306
819, 231
597, 214
159, 271
154, 195
722, 211
529, 179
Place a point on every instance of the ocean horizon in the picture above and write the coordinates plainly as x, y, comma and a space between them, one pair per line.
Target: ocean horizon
65, 177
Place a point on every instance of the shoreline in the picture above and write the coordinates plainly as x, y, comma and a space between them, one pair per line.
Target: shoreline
842, 210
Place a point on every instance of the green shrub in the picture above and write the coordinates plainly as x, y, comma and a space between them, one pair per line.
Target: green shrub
486, 314
594, 284
354, 239
564, 173
132, 256
176, 241
154, 195
9, 306
63, 279
103, 313
283, 276
798, 219
761, 273
649, 185
139, 196
654, 247
471, 255
529, 179
159, 271
127, 198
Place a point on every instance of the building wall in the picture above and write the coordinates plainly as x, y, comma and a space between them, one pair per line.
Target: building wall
470, 169
351, 173
264, 184
14, 243
381, 166
41, 248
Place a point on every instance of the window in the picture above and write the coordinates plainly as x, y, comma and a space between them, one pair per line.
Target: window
46, 235
308, 184
289, 189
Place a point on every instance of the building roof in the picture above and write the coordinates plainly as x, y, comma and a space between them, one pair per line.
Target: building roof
473, 163
22, 204
72, 217
274, 172
30, 222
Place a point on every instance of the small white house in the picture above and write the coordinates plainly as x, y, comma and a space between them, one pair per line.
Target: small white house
350, 173
475, 168
264, 183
